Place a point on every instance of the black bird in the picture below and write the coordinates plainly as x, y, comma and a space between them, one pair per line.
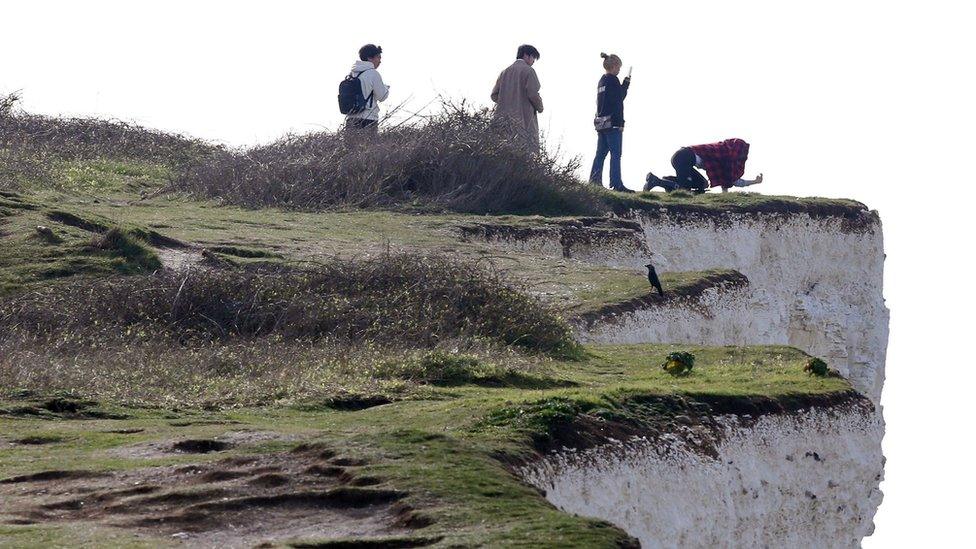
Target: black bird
653, 279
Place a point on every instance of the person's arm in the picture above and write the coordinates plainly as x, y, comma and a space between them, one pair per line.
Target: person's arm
747, 182
532, 87
380, 90
615, 94
495, 91
625, 87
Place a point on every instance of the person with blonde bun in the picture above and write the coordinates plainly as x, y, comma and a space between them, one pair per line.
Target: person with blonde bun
609, 122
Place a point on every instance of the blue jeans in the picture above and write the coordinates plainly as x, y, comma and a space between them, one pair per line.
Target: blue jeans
612, 142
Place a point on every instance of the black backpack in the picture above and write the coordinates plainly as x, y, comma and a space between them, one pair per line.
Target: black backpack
351, 100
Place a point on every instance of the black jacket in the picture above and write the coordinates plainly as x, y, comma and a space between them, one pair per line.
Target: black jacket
610, 98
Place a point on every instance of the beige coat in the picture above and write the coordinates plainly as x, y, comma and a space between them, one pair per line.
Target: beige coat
518, 101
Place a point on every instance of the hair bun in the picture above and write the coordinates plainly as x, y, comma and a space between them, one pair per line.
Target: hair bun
603, 55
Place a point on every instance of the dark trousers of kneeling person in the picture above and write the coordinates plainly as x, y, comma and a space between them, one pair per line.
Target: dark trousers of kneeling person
610, 141
686, 176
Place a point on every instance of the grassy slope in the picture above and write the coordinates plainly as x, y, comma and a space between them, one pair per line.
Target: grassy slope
30, 257
111, 191
437, 443
440, 448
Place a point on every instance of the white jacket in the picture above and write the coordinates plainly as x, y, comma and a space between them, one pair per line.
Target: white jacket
372, 83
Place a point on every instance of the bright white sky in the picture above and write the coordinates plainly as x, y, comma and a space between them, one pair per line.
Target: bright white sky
866, 100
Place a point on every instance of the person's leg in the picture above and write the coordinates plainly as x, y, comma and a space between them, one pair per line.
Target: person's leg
667, 182
687, 176
362, 124
596, 172
361, 130
353, 127
670, 183
699, 181
372, 127
651, 181
615, 142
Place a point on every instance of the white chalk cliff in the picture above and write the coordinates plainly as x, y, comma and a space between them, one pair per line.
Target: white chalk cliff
814, 283
796, 478
807, 479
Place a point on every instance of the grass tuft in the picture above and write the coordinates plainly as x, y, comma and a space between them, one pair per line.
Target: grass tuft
137, 256
443, 368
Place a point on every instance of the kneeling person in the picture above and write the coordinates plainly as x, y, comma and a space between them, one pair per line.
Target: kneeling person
724, 163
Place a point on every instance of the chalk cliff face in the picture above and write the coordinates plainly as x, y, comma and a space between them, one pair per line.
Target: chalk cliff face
814, 283
814, 279
804, 479
811, 279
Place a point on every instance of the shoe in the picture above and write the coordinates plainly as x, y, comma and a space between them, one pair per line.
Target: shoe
621, 189
652, 181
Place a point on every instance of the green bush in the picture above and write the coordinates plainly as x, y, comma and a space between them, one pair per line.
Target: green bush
543, 416
817, 367
137, 255
437, 367
679, 363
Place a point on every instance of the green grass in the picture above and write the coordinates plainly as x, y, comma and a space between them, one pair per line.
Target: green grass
109, 178
731, 201
242, 235
76, 536
631, 285
112, 191
82, 244
455, 421
443, 448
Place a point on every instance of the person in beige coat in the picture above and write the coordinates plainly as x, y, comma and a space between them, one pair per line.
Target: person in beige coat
516, 96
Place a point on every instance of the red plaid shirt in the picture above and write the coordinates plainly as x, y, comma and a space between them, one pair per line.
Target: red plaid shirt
724, 162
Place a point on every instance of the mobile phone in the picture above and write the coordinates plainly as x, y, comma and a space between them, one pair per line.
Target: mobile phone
630, 69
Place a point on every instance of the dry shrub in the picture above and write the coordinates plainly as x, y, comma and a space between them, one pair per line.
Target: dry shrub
161, 372
7, 103
458, 160
19, 165
392, 300
263, 334
35, 139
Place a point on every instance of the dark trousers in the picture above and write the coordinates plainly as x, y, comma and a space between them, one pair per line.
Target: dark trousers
362, 125
686, 176
608, 142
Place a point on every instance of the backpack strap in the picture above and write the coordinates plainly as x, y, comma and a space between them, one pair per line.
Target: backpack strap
370, 97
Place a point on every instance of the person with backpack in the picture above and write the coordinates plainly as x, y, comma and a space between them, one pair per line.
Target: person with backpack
609, 122
516, 97
724, 163
360, 92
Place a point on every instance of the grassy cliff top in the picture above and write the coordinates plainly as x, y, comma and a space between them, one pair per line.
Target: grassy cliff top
126, 194
131, 418
444, 455
683, 205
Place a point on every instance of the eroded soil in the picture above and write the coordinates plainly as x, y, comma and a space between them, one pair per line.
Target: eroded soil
311, 492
